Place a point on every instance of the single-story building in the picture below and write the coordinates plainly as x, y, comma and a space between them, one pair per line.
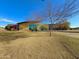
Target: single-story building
28, 25
58, 26
35, 25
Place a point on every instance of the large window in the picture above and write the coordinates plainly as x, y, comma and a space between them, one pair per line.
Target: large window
33, 27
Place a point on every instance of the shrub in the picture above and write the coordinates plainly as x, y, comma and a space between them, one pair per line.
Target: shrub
43, 28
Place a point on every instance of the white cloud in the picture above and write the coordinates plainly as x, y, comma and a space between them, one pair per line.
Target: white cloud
7, 20
2, 26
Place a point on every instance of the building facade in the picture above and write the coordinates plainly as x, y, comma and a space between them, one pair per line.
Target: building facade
35, 26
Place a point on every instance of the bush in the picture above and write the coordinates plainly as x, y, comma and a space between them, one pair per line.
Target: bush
43, 28
8, 27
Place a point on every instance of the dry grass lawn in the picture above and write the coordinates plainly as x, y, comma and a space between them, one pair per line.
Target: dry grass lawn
71, 40
32, 45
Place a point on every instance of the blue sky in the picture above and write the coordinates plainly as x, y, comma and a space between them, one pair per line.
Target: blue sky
13, 11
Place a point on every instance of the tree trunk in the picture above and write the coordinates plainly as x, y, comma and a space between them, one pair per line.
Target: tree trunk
50, 30
50, 26
50, 33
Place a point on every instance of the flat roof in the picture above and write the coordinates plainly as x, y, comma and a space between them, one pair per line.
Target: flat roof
28, 22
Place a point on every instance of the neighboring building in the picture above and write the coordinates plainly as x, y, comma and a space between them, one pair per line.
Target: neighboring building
11, 27
58, 26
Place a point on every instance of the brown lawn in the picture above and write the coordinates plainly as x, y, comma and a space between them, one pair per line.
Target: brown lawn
33, 45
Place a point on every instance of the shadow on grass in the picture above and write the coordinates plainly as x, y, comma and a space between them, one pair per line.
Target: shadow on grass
9, 36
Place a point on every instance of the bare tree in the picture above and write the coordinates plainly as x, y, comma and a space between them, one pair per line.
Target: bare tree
59, 13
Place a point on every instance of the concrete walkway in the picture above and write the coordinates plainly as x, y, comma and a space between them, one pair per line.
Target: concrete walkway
75, 35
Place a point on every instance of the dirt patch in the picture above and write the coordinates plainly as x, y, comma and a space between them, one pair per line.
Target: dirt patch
2, 30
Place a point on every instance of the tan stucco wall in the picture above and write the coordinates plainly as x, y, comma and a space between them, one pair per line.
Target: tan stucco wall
23, 26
